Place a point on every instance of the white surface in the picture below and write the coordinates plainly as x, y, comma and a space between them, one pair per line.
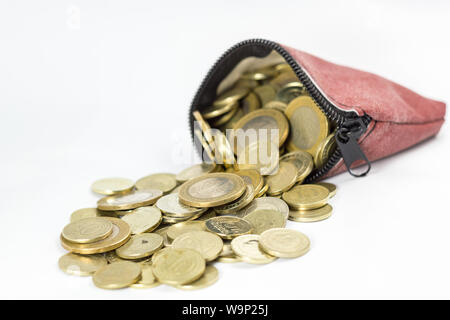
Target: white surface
91, 89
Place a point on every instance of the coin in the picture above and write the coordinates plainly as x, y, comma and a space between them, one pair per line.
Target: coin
87, 230
265, 93
264, 219
223, 152
302, 160
258, 75
281, 67
266, 203
309, 125
178, 266
87, 213
219, 121
263, 191
277, 105
246, 83
284, 243
171, 206
212, 189
159, 181
259, 155
247, 248
311, 215
112, 257
248, 104
79, 265
209, 277
178, 229
148, 279
117, 275
231, 96
233, 207
283, 180
208, 244
263, 119
228, 227
195, 171
206, 151
331, 188
290, 91
110, 186
174, 219
205, 128
120, 234
128, 201
144, 219
252, 177
227, 255
283, 78
325, 150
306, 196
239, 113
140, 246
217, 110
163, 233
208, 214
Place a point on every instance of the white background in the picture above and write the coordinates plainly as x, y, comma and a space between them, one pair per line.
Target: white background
92, 89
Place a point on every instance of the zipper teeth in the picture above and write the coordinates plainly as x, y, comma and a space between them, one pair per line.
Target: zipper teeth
335, 115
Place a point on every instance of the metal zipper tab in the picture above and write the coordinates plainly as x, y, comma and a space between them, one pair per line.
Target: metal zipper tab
347, 140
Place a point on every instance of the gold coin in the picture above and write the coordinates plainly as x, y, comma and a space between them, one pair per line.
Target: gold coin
263, 191
231, 96
227, 255
302, 160
195, 171
209, 277
260, 74
233, 207
171, 206
144, 219
212, 189
284, 243
128, 201
283, 179
281, 67
117, 275
110, 186
306, 196
228, 227
140, 246
158, 254
178, 229
248, 104
277, 105
87, 230
247, 248
178, 266
266, 203
207, 154
290, 91
208, 244
159, 181
262, 156
325, 151
217, 110
309, 125
331, 188
263, 119
205, 128
252, 177
223, 152
264, 219
174, 219
163, 233
311, 215
79, 265
148, 279
265, 93
88, 213
238, 115
216, 122
120, 234
112, 257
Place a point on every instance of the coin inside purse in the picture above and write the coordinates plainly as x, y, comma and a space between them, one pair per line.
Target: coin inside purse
256, 85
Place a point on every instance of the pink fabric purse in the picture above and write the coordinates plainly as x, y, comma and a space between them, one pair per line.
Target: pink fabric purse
375, 117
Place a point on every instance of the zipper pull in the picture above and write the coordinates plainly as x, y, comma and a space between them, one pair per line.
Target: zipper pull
347, 141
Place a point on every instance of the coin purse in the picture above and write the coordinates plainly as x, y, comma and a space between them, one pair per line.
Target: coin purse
374, 117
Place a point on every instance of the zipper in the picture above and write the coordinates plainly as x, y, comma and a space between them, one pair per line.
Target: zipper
350, 126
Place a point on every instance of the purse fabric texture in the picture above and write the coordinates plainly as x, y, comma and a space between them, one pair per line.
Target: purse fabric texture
401, 118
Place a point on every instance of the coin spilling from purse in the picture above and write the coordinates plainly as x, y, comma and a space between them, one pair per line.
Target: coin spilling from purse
260, 140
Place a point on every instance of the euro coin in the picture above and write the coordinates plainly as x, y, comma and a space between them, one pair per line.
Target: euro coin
171, 206
217, 122
195, 171
87, 230
325, 150
110, 186
80, 265
252, 177
147, 280
302, 160
144, 219
180, 228
284, 243
117, 275
210, 190
311, 215
290, 91
238, 204
266, 203
88, 213
263, 191
133, 200
231, 96
227, 255
262, 156
264, 219
159, 181
277, 105
120, 234
140, 246
217, 110
331, 188
222, 149
247, 248
306, 196
208, 244
178, 266
308, 124
228, 227
283, 179
209, 277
